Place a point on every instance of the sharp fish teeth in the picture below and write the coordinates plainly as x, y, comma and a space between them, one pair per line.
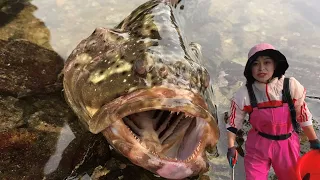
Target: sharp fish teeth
197, 149
134, 135
194, 153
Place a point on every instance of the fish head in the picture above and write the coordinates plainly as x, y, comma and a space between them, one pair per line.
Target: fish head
146, 90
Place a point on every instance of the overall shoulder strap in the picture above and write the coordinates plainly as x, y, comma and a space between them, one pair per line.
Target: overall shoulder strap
286, 91
253, 99
286, 96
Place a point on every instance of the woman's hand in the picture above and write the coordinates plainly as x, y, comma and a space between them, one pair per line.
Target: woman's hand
314, 144
232, 156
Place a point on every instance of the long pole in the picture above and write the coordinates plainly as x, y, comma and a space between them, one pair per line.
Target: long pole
232, 176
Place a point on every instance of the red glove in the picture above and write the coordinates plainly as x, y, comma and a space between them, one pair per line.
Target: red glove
232, 156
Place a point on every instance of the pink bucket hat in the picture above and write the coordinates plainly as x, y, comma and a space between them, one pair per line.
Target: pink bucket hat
265, 49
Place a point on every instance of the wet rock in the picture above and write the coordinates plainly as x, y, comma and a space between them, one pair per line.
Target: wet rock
49, 143
10, 113
26, 68
112, 170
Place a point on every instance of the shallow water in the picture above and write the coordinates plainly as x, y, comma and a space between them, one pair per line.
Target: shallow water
225, 29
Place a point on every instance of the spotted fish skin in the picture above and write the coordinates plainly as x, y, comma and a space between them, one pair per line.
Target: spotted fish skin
143, 63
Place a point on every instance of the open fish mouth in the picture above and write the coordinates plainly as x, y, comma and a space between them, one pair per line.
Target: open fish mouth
174, 136
163, 130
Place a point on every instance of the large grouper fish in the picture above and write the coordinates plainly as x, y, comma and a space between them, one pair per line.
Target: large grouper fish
146, 91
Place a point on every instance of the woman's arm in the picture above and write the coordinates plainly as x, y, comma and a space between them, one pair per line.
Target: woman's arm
231, 139
309, 132
235, 122
304, 116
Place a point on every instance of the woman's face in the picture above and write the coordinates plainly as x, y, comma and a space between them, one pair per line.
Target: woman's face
263, 68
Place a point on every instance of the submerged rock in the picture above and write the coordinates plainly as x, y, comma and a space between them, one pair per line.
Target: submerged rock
10, 8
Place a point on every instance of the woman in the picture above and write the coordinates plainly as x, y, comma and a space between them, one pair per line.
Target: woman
273, 139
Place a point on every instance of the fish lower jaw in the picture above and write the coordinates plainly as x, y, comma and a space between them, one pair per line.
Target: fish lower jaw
193, 156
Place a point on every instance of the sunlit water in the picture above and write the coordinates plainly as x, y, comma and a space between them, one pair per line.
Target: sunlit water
226, 29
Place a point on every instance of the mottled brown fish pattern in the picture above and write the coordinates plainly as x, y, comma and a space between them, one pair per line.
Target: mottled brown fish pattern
146, 90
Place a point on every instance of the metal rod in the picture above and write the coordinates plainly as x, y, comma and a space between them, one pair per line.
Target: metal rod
232, 178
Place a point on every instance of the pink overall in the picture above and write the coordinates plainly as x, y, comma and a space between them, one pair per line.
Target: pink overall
262, 152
